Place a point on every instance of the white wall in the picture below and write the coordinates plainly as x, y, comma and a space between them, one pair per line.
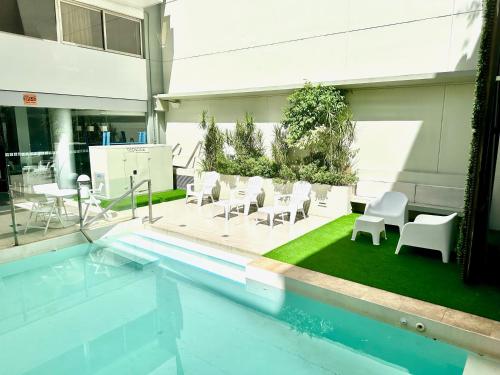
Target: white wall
422, 129
235, 44
34, 65
183, 123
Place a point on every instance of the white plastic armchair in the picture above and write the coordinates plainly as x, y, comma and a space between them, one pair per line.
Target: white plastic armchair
430, 232
392, 206
248, 196
209, 182
296, 201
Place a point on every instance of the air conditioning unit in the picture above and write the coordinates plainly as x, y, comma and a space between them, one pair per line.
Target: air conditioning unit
113, 166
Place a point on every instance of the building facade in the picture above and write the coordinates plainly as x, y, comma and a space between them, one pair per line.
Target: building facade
409, 67
69, 73
74, 70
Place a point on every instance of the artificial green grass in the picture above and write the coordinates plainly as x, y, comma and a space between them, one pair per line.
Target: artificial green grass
142, 200
417, 273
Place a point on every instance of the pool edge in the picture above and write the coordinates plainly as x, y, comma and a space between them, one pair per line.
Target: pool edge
468, 331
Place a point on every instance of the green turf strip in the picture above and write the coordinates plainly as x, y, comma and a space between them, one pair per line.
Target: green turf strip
142, 200
415, 272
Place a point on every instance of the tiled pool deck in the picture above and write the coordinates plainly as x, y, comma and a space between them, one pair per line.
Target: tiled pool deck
242, 233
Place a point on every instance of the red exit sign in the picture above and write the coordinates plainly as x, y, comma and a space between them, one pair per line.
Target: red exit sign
30, 99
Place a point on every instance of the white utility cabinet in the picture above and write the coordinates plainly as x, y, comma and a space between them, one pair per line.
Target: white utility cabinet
113, 166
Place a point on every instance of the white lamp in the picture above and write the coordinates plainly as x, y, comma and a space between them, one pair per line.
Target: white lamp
83, 178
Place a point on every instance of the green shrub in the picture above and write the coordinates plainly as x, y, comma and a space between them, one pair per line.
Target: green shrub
246, 139
213, 143
321, 175
280, 148
318, 121
264, 167
227, 166
313, 144
286, 174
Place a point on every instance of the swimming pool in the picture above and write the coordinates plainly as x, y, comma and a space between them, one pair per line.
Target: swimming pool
88, 309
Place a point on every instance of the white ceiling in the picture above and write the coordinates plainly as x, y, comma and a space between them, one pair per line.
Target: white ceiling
137, 3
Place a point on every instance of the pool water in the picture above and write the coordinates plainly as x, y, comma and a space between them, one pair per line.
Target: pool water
80, 311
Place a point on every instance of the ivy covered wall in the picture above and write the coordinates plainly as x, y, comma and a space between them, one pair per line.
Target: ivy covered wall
472, 246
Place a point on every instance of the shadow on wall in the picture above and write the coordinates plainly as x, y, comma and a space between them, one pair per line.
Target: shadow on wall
470, 48
409, 132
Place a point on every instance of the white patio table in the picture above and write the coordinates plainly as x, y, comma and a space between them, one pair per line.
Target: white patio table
60, 194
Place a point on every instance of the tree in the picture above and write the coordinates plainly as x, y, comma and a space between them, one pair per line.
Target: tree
318, 121
213, 143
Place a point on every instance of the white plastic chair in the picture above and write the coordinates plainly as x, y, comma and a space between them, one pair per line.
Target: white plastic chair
430, 232
296, 202
43, 207
249, 195
289, 203
48, 189
209, 182
90, 197
392, 206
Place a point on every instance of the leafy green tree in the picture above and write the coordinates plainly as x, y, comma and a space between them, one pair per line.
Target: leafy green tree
318, 121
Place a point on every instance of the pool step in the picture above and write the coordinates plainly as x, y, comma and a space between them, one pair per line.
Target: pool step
209, 263
205, 251
133, 254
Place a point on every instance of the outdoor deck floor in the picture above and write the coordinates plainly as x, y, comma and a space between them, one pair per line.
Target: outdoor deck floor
239, 232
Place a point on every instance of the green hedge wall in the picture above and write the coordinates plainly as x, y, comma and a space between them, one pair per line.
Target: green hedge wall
464, 244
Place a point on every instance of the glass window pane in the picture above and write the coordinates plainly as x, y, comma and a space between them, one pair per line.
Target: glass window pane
81, 25
123, 34
36, 18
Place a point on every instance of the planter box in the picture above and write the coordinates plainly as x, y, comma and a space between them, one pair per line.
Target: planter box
326, 200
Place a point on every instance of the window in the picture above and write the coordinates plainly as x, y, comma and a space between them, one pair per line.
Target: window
36, 18
123, 34
82, 25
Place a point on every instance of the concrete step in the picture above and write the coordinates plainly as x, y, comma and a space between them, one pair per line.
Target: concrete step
221, 267
132, 253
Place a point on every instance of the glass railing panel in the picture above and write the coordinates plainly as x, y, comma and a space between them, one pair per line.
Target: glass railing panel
43, 209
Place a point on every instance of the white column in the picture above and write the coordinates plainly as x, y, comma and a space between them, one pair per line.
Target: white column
23, 134
62, 138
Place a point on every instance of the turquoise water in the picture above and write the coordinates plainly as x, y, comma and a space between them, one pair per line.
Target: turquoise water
74, 312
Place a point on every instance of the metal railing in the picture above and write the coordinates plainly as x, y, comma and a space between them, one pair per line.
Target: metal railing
131, 192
